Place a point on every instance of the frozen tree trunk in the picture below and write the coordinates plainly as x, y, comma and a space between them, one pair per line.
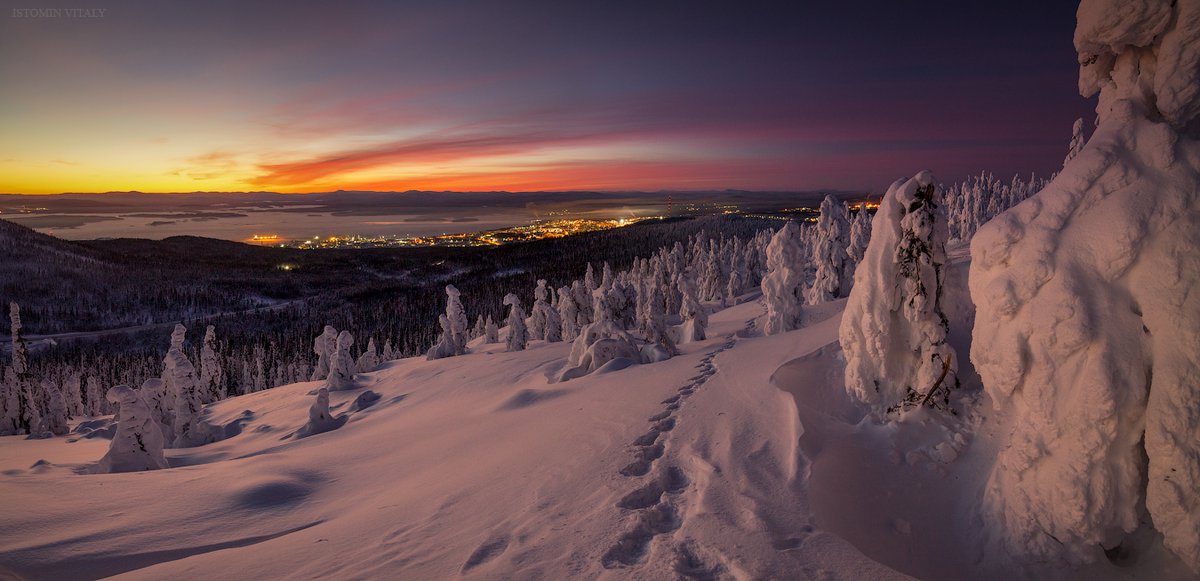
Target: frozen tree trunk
341, 371
517, 335
894, 328
784, 280
23, 414
154, 392
1087, 329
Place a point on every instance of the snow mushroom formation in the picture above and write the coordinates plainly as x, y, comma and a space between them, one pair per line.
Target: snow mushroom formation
894, 329
1087, 332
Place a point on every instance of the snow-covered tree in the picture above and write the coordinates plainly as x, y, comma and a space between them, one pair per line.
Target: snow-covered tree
829, 253
860, 236
154, 393
517, 335
212, 373
568, 313
1077, 141
553, 331
537, 318
453, 339
177, 338
189, 429
319, 418
23, 414
1087, 294
695, 316
54, 421
138, 442
894, 328
96, 403
480, 328
73, 393
491, 333
369, 360
11, 422
784, 281
341, 369
325, 345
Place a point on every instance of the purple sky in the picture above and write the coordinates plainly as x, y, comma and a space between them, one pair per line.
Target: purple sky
533, 95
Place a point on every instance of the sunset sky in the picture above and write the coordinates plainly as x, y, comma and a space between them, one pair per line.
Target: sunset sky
460, 95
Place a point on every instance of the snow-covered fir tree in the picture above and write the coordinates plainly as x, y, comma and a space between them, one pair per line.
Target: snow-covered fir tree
369, 360
517, 336
138, 442
784, 280
829, 253
212, 372
491, 333
54, 418
568, 313
341, 369
97, 404
189, 429
325, 345
1087, 322
894, 329
860, 237
73, 393
453, 339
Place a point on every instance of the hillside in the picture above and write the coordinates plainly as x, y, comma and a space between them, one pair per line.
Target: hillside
740, 459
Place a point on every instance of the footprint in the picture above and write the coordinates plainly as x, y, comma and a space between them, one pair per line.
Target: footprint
629, 550
648, 438
673, 480
489, 550
663, 415
644, 456
664, 426
671, 399
689, 565
643, 497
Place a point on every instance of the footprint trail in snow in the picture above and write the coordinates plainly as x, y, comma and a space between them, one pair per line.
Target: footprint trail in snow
656, 501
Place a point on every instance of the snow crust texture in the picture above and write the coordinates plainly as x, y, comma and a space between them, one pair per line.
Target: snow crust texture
1087, 334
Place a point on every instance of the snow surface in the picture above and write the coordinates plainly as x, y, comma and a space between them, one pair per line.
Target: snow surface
702, 466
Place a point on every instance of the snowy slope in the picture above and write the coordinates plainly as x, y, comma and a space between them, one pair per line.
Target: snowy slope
473, 465
479, 467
